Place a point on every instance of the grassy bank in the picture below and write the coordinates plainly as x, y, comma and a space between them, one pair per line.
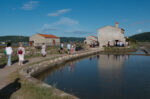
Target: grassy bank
20, 88
131, 48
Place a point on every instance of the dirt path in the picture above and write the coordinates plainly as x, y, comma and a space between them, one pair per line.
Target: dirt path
6, 71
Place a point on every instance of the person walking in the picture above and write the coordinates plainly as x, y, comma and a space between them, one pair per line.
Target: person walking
43, 51
68, 47
9, 52
21, 53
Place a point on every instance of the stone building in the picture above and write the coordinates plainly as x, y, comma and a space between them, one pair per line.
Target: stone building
49, 40
111, 35
90, 39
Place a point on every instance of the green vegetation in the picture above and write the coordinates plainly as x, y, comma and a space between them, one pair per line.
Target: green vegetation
118, 49
142, 37
29, 90
71, 39
132, 47
14, 39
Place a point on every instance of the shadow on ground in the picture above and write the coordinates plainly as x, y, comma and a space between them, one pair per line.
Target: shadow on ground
7, 91
2, 66
13, 62
26, 61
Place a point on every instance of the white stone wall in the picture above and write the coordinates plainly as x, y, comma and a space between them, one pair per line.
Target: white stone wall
110, 33
49, 41
38, 40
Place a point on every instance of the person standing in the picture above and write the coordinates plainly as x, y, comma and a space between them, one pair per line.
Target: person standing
121, 44
21, 53
43, 51
74, 47
68, 47
61, 47
9, 52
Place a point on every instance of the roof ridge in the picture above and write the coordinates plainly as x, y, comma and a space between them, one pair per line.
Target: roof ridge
48, 35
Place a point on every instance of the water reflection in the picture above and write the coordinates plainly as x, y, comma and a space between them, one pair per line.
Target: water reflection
103, 77
110, 69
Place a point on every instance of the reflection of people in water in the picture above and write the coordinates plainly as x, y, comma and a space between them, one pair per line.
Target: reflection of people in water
97, 56
72, 68
7, 91
90, 58
62, 70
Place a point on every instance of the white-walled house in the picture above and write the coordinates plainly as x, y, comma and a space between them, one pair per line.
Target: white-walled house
90, 39
38, 39
111, 35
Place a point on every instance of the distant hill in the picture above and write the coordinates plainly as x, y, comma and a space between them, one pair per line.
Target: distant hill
16, 39
71, 39
142, 37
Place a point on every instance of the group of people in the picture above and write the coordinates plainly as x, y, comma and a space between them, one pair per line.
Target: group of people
20, 52
71, 48
94, 44
121, 44
118, 44
9, 51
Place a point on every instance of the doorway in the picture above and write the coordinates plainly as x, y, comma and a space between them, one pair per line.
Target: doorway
54, 42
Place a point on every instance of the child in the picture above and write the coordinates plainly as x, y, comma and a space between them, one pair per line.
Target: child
9, 51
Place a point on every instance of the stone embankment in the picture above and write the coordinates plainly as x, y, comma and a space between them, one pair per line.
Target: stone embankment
145, 49
30, 72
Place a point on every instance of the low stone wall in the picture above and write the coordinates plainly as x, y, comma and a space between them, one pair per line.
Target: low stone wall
33, 70
146, 50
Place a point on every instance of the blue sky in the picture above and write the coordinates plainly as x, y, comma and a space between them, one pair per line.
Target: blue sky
75, 18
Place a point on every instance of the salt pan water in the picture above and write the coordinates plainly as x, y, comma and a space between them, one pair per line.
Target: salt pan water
103, 77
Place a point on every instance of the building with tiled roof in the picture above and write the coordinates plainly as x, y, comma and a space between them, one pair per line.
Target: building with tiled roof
90, 40
38, 39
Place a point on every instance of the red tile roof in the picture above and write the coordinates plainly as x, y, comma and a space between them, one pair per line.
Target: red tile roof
94, 36
48, 36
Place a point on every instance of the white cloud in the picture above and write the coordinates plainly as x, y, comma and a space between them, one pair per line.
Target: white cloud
139, 23
59, 12
66, 21
139, 30
30, 5
48, 27
79, 32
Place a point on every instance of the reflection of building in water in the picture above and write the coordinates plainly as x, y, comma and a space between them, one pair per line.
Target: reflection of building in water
110, 69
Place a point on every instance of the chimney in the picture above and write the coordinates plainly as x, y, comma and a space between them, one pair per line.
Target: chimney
117, 25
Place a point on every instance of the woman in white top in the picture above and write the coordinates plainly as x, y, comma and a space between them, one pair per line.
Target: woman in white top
43, 51
21, 53
9, 51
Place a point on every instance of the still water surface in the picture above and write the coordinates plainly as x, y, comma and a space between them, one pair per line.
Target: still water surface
103, 77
